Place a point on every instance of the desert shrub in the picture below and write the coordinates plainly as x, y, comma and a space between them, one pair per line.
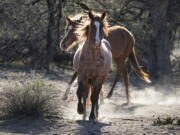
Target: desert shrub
163, 121
30, 97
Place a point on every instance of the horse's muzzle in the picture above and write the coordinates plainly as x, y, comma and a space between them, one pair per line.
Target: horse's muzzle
97, 44
63, 46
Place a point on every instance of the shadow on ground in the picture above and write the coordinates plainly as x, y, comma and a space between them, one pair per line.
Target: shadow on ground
28, 126
90, 127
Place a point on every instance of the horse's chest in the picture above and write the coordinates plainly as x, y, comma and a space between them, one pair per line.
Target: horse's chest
92, 64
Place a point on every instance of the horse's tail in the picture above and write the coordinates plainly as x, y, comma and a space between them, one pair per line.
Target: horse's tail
88, 99
137, 69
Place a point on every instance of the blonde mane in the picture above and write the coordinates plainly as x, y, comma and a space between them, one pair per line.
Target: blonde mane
77, 17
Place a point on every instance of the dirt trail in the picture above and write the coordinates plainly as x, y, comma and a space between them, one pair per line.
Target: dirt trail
115, 117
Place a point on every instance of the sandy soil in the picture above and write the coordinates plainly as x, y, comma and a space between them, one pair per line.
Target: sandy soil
115, 116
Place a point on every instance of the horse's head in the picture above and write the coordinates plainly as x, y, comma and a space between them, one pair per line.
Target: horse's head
70, 36
97, 28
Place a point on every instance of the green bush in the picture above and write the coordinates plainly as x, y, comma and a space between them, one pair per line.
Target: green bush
30, 97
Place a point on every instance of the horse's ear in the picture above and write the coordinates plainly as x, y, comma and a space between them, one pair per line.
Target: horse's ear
90, 15
68, 19
103, 15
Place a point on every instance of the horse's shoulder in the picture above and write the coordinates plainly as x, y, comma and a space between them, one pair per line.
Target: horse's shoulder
106, 43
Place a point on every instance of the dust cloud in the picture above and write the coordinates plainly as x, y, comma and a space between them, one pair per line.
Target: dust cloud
145, 102
157, 96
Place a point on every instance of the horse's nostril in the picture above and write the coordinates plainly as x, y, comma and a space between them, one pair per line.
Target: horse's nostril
97, 43
63, 46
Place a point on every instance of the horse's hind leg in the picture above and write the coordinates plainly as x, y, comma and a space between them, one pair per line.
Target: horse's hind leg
65, 97
125, 76
121, 70
114, 83
80, 108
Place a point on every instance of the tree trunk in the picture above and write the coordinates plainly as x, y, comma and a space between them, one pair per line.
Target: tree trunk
54, 16
160, 41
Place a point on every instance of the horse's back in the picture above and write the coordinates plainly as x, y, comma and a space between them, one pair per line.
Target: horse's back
119, 29
121, 40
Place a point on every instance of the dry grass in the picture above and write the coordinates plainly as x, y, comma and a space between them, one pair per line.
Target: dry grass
163, 121
29, 97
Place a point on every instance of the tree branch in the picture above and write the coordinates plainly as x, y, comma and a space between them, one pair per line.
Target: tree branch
82, 5
35, 1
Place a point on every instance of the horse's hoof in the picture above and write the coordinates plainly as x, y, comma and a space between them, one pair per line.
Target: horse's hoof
64, 97
80, 108
109, 95
92, 117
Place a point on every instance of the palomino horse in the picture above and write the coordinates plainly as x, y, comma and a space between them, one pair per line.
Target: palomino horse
92, 62
123, 47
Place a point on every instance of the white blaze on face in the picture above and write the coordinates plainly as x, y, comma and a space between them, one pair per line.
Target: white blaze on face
97, 39
69, 28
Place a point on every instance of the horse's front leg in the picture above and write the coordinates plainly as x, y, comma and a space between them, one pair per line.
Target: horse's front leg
85, 96
101, 97
80, 108
97, 105
65, 97
94, 101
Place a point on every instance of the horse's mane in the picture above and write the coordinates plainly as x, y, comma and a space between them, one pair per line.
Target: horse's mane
83, 30
77, 17
80, 20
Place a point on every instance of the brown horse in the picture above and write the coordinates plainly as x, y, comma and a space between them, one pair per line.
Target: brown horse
123, 47
92, 62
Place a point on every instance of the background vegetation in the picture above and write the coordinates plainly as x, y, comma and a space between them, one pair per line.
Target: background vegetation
29, 96
31, 30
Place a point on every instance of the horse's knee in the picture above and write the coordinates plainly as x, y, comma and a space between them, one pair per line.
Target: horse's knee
80, 89
94, 96
125, 72
80, 108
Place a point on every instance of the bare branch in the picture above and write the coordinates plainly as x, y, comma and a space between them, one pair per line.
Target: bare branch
35, 1
82, 5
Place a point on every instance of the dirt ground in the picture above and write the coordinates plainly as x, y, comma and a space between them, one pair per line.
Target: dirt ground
148, 102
